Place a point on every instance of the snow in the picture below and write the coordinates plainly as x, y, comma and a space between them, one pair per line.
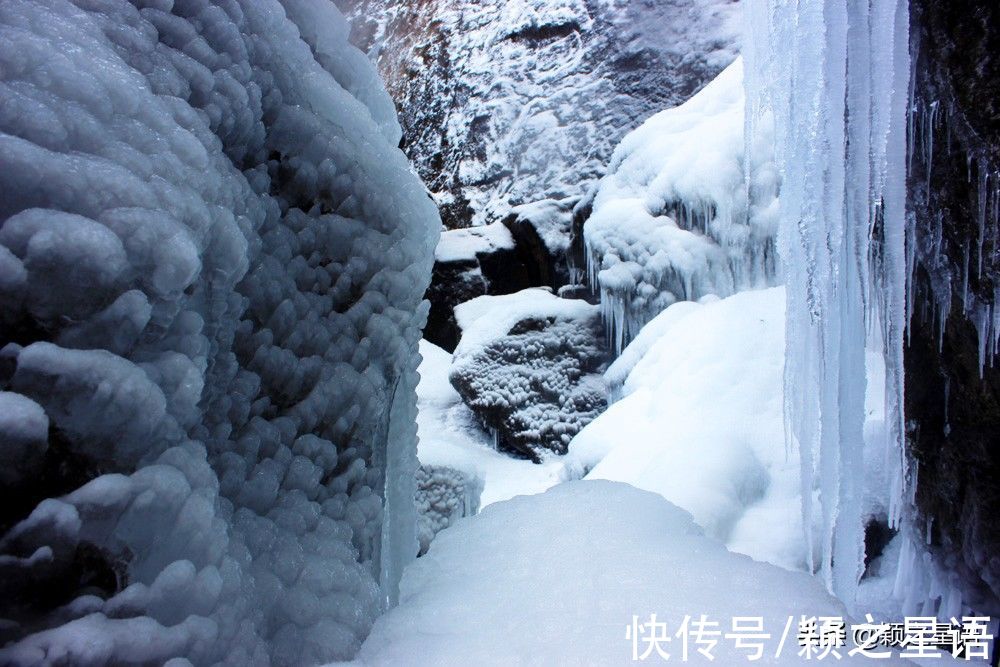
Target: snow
212, 261
488, 318
545, 580
700, 421
465, 244
678, 216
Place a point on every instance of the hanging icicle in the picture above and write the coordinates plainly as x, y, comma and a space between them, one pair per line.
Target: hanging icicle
835, 75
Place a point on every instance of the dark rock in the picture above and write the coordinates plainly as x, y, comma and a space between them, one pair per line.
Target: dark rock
952, 398
469, 263
541, 233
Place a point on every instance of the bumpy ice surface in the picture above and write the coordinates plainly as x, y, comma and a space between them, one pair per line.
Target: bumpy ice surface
679, 214
212, 257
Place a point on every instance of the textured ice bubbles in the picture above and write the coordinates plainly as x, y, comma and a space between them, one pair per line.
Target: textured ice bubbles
212, 258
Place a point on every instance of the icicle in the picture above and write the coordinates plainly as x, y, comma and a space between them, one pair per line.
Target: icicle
839, 99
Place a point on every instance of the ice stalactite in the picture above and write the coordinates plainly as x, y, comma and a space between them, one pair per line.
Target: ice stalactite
835, 77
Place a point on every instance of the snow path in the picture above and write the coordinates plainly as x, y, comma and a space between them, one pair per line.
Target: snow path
555, 579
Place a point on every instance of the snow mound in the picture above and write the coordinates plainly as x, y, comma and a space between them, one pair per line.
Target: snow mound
700, 421
677, 216
545, 580
526, 365
212, 258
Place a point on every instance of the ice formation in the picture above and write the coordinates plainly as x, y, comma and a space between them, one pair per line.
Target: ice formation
527, 365
679, 215
544, 580
835, 77
212, 257
699, 420
444, 495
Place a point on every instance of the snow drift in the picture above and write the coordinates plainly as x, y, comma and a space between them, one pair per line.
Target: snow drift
544, 580
700, 421
212, 257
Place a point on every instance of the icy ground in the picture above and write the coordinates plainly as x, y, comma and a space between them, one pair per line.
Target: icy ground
555, 579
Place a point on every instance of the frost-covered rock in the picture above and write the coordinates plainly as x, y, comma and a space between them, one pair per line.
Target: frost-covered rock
452, 437
527, 365
677, 216
212, 256
557, 579
699, 419
506, 102
444, 495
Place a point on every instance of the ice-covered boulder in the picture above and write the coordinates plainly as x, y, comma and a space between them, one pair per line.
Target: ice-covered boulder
559, 578
452, 437
679, 215
212, 259
507, 102
528, 365
444, 495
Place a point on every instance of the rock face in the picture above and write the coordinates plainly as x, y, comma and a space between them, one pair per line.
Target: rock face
508, 102
952, 382
528, 365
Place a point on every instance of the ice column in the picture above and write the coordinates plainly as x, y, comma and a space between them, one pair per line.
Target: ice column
834, 75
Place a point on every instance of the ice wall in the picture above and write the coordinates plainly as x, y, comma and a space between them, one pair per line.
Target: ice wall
835, 77
212, 257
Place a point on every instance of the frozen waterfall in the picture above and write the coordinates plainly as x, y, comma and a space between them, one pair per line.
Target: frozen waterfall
835, 76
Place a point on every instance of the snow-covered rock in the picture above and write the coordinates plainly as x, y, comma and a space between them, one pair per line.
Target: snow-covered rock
444, 495
557, 579
212, 257
527, 366
468, 263
700, 420
542, 229
451, 436
677, 216
506, 102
